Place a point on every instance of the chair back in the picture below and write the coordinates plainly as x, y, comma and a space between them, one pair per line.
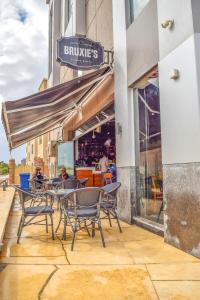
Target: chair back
55, 179
83, 198
83, 182
70, 184
24, 196
111, 188
87, 197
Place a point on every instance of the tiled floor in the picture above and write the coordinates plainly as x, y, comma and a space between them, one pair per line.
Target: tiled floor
134, 265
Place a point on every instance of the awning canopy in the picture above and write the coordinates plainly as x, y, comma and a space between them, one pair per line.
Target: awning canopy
30, 117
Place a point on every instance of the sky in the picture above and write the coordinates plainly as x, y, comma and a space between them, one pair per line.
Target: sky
23, 55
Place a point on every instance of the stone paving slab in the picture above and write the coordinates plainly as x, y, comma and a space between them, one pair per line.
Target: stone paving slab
100, 282
135, 265
178, 290
175, 271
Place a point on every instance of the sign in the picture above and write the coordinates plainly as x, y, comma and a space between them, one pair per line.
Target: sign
80, 53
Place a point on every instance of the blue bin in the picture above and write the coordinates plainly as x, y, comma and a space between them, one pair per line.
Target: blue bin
24, 181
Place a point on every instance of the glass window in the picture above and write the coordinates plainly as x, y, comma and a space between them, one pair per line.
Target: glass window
150, 160
68, 11
65, 156
133, 9
50, 40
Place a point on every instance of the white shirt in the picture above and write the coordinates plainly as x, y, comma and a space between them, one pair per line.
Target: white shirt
103, 163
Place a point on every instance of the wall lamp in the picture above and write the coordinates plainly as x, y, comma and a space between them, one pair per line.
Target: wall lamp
168, 24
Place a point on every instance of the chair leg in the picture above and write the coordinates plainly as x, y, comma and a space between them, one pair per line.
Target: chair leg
93, 229
101, 232
20, 222
86, 228
59, 220
161, 208
109, 219
64, 229
20, 229
52, 229
118, 223
46, 224
73, 236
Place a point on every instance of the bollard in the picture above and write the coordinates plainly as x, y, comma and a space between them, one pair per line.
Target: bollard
4, 187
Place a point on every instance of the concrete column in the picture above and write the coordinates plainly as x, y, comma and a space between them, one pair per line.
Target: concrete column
11, 171
124, 111
180, 122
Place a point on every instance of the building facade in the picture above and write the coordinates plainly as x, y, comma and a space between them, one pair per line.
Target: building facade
88, 18
37, 149
156, 100
156, 53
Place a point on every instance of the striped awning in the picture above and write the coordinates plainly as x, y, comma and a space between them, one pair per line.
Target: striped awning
30, 117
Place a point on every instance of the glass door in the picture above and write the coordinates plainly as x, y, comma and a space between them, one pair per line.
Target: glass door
150, 160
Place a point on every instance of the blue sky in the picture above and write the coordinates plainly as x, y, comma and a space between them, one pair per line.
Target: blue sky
23, 46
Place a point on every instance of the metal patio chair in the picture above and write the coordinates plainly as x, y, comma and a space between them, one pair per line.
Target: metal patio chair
70, 184
109, 203
79, 207
34, 205
83, 182
37, 186
66, 184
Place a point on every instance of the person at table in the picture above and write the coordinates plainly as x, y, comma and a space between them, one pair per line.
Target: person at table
103, 163
63, 175
38, 176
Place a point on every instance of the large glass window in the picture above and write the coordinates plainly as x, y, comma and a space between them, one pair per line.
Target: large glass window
133, 9
150, 161
65, 157
68, 11
50, 39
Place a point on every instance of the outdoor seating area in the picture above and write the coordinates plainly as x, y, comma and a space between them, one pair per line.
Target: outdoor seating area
79, 207
134, 265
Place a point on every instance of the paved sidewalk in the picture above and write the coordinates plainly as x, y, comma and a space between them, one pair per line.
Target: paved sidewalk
134, 265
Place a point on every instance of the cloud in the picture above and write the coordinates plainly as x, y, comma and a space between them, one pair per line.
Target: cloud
23, 51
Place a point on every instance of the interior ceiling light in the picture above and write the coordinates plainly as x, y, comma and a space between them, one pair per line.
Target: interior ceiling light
93, 135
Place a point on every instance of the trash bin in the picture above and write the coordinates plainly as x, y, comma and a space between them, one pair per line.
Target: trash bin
24, 181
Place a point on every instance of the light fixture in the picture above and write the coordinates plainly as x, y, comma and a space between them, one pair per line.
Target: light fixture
168, 24
174, 74
93, 135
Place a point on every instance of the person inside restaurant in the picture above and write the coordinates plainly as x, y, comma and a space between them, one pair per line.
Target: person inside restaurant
103, 163
63, 175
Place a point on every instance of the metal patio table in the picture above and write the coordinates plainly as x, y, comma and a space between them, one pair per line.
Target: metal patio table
57, 194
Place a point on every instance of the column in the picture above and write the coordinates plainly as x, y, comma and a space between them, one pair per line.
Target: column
180, 122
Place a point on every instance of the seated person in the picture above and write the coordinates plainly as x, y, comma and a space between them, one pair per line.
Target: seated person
63, 175
38, 176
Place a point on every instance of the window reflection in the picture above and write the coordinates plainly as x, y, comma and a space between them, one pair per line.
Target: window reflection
133, 9
65, 157
150, 165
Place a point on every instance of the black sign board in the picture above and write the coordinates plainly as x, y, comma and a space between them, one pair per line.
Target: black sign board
80, 53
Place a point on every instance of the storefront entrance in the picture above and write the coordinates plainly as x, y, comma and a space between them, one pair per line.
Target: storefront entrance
150, 161
94, 142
